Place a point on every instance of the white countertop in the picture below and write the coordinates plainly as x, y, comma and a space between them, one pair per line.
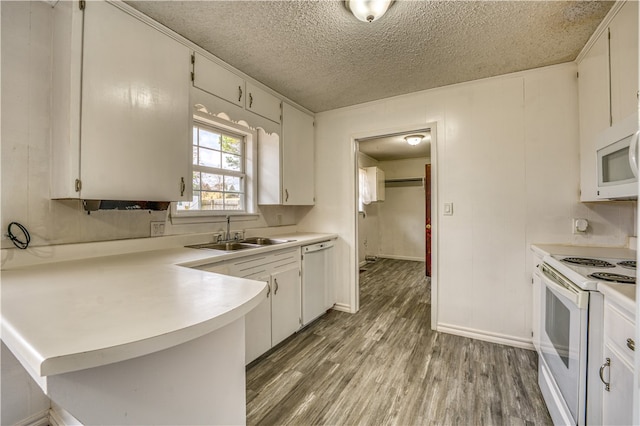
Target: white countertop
623, 294
66, 316
584, 251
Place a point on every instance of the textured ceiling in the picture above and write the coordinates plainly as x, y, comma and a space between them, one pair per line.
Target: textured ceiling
395, 147
320, 56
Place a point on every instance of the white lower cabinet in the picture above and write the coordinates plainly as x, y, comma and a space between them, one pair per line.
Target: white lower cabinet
279, 315
617, 367
285, 304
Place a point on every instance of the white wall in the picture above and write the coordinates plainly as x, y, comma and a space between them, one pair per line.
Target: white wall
506, 155
26, 126
402, 214
26, 36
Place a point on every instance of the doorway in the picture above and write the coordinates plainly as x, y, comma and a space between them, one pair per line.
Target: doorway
392, 226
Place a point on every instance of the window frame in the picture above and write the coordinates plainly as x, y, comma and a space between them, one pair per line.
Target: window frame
250, 171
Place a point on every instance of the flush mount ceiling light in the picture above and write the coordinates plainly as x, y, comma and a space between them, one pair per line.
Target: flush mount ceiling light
368, 10
414, 139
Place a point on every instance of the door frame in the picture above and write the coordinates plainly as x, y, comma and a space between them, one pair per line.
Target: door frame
432, 126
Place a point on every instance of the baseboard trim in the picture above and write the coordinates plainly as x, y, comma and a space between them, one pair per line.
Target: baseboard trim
393, 256
342, 307
38, 419
502, 339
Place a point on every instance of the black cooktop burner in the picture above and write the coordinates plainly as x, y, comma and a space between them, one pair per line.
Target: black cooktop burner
585, 261
615, 278
631, 264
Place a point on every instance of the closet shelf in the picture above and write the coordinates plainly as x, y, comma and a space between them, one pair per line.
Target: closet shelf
414, 181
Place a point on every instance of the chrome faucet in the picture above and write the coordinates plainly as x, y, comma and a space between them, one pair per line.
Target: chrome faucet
227, 236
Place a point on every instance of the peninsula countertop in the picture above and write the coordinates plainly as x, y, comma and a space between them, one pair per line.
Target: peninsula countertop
66, 316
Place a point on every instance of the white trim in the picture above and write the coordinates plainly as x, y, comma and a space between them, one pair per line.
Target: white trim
487, 336
393, 256
343, 307
37, 419
604, 24
58, 416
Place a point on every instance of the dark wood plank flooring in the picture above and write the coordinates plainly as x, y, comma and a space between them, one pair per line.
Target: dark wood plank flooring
385, 366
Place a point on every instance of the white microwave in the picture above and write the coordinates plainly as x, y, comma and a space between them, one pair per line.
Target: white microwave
617, 154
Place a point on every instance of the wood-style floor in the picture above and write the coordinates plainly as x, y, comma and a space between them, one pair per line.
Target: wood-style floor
385, 366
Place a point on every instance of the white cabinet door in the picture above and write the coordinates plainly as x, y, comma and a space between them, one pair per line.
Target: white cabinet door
624, 62
262, 103
593, 101
298, 180
617, 404
258, 326
217, 80
285, 305
136, 122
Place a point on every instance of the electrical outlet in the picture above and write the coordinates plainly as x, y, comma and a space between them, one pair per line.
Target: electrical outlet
157, 229
580, 226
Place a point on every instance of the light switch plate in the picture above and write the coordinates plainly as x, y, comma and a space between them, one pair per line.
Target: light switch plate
448, 209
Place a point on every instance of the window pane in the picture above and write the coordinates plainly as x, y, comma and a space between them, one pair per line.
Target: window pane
231, 162
209, 158
233, 201
211, 200
195, 136
186, 205
195, 155
231, 144
233, 184
209, 139
211, 182
196, 180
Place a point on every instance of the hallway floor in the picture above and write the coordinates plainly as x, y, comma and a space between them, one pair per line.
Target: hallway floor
385, 366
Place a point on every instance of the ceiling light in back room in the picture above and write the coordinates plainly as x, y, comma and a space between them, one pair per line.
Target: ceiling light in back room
413, 139
368, 10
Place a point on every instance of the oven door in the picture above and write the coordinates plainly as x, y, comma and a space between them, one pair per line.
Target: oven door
563, 337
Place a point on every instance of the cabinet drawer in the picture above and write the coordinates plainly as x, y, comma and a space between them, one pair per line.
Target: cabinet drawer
618, 329
262, 103
217, 80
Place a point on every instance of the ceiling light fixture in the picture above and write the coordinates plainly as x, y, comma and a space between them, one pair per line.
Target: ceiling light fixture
368, 10
413, 139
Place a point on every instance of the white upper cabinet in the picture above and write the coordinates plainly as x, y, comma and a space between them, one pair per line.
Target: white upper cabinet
298, 157
607, 88
624, 62
217, 80
134, 115
263, 103
225, 84
286, 164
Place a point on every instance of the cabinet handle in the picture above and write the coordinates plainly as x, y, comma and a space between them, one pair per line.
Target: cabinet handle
182, 186
286, 195
239, 93
631, 344
276, 290
268, 290
606, 364
250, 99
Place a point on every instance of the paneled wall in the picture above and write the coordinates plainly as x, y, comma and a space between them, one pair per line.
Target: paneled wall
506, 155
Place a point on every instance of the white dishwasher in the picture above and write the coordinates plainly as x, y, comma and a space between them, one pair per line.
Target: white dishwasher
317, 280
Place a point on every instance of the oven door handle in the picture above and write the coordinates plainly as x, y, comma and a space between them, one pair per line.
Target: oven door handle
575, 294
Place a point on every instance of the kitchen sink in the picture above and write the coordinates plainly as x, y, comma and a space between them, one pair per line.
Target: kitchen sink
264, 241
230, 246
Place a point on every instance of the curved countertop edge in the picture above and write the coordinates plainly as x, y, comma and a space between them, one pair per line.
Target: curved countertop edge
40, 366
622, 294
99, 357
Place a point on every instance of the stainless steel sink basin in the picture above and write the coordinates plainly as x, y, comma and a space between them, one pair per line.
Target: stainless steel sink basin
264, 241
230, 246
